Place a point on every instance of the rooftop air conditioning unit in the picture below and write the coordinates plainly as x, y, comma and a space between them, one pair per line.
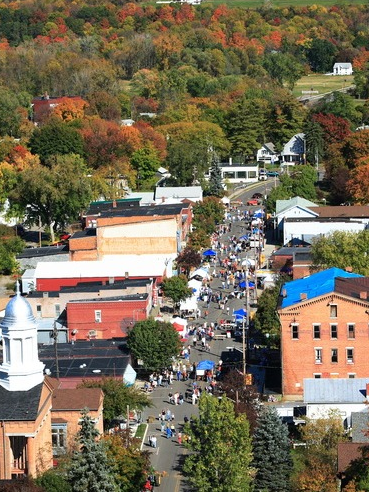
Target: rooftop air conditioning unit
92, 333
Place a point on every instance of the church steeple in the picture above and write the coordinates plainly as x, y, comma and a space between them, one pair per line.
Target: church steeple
21, 369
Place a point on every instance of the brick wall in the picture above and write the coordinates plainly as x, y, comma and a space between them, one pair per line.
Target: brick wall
298, 355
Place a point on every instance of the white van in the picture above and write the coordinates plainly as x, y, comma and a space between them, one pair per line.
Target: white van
263, 175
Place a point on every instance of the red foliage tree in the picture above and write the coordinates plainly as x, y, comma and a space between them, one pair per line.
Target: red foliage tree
335, 128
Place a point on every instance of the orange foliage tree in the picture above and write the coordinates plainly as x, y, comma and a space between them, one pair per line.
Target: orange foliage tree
70, 108
358, 184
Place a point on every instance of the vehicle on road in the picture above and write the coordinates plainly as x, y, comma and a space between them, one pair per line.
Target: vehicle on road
252, 202
263, 176
257, 196
273, 174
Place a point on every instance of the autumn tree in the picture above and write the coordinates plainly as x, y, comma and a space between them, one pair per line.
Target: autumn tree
128, 463
341, 249
358, 184
145, 162
188, 259
69, 109
155, 343
319, 458
221, 448
245, 397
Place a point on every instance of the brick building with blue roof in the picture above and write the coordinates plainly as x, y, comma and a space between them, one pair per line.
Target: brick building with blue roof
324, 328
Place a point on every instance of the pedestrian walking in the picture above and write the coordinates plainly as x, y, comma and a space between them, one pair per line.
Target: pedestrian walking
179, 438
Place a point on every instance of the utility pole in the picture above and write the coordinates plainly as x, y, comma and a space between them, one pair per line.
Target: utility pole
245, 327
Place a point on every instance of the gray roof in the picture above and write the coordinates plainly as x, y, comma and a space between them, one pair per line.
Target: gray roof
359, 424
296, 201
178, 192
20, 405
44, 251
340, 390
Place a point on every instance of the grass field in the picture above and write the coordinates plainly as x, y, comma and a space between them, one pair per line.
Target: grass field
322, 83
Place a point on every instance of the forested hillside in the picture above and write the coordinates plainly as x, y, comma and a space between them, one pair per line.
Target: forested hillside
213, 82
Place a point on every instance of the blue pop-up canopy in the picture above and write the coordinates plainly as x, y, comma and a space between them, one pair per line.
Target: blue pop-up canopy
209, 252
206, 365
243, 285
244, 238
240, 314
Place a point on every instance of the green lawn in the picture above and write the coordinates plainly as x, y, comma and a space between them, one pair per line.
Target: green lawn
322, 83
140, 431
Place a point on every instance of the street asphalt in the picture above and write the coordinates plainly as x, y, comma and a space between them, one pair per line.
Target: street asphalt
169, 455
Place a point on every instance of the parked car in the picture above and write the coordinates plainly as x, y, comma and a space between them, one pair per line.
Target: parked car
257, 196
263, 176
273, 174
252, 202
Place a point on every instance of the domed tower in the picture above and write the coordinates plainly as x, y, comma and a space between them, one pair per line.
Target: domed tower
21, 369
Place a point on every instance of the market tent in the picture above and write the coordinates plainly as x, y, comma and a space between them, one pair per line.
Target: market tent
225, 200
249, 262
195, 286
209, 252
243, 285
129, 376
244, 237
200, 272
189, 304
205, 365
241, 313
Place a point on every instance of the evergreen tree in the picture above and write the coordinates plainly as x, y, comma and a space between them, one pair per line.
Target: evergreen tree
222, 448
215, 181
314, 138
272, 455
89, 470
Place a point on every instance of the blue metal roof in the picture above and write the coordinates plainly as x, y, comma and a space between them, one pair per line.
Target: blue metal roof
313, 286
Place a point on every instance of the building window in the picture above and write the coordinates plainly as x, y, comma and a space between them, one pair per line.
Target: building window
295, 331
333, 310
59, 438
351, 330
334, 331
97, 316
317, 375
38, 310
351, 375
318, 356
334, 355
350, 355
57, 310
316, 331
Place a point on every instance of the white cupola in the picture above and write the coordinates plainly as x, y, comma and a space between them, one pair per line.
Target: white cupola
21, 369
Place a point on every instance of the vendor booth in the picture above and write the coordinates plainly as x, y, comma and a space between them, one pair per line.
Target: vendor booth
205, 368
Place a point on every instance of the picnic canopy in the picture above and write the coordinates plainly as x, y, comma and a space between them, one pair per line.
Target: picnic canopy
200, 272
205, 365
209, 252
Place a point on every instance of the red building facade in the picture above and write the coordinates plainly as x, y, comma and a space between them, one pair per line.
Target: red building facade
105, 318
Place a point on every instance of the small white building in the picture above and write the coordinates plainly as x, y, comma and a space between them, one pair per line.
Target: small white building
343, 395
239, 173
294, 151
342, 69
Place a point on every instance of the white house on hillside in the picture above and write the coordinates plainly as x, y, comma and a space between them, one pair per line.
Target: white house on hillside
342, 69
267, 153
294, 151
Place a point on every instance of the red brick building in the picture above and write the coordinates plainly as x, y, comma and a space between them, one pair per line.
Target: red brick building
324, 328
105, 318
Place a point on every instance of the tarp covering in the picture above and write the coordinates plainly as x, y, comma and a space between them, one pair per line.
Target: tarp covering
129, 376
313, 286
195, 286
205, 365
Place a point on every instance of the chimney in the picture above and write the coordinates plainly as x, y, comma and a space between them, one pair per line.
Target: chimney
363, 295
230, 161
303, 296
162, 199
284, 293
114, 204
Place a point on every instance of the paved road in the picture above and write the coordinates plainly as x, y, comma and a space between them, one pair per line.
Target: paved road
169, 455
